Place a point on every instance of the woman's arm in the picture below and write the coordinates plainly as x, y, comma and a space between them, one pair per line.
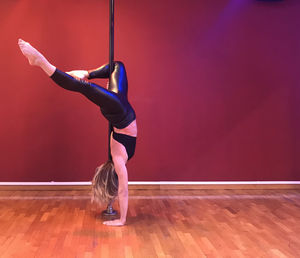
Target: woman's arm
121, 170
123, 191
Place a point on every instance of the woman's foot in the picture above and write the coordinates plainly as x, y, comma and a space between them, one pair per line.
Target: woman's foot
35, 57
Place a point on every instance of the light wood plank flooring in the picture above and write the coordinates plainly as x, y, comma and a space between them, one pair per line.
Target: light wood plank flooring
161, 223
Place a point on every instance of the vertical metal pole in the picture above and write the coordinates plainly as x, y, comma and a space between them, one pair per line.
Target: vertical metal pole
111, 55
111, 34
109, 210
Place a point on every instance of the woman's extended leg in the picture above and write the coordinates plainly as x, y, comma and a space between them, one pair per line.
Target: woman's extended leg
97, 94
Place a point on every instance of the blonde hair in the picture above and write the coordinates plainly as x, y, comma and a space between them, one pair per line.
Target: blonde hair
105, 183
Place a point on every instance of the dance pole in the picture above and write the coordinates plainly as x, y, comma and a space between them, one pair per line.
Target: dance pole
109, 210
111, 34
111, 57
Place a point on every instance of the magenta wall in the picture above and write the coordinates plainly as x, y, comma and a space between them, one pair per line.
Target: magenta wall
215, 85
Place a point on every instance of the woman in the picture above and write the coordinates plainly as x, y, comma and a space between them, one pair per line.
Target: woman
116, 109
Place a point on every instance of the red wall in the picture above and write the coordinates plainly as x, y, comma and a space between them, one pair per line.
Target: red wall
215, 85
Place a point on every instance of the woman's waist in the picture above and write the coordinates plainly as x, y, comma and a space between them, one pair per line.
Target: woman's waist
130, 129
119, 118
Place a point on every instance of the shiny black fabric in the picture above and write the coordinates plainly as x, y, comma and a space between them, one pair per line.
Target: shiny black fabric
113, 102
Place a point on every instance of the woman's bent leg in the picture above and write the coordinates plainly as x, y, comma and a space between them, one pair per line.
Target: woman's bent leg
101, 72
118, 80
97, 94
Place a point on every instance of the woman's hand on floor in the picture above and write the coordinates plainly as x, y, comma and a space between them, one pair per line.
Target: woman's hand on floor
116, 222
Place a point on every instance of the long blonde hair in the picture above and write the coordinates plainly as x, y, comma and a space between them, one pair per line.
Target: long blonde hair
105, 183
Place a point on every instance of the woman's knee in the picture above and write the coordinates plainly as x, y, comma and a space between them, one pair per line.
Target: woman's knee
119, 64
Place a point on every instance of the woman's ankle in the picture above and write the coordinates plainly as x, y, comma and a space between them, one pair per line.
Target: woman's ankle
48, 68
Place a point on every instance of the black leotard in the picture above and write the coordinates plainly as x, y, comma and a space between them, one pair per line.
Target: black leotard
113, 102
128, 141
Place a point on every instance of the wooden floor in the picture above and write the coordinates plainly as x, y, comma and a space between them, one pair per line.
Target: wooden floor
174, 223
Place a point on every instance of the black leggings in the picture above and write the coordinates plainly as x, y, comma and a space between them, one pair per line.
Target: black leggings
113, 102
102, 97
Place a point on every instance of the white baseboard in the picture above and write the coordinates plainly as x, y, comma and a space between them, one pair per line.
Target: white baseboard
86, 183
